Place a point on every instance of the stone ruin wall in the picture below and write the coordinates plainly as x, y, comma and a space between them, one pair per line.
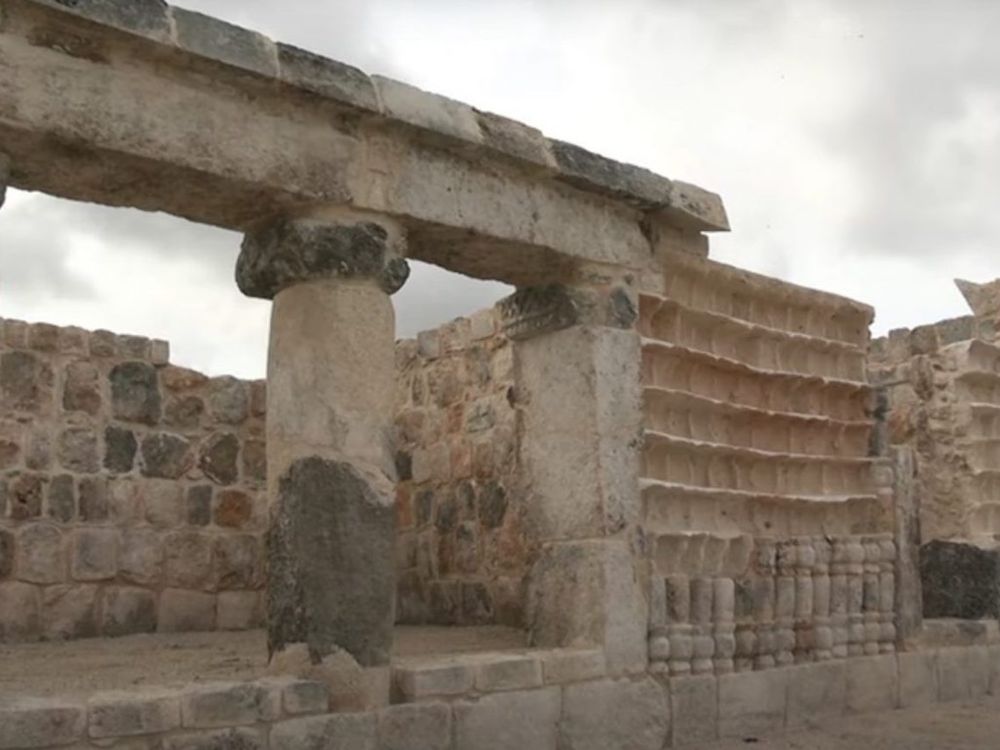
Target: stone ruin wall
131, 491
768, 522
462, 542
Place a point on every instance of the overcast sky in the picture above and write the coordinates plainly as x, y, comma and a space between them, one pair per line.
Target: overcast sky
856, 145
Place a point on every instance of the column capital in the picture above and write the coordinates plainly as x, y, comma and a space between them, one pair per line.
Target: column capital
4, 176
291, 251
536, 310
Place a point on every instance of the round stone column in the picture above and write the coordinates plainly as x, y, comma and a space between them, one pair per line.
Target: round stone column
331, 476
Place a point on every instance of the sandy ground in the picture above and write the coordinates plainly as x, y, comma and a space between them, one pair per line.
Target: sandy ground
77, 668
948, 726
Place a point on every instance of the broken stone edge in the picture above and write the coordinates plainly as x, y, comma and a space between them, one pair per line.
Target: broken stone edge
434, 117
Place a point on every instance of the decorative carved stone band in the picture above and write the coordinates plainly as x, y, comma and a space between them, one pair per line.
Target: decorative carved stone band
290, 251
4, 176
532, 311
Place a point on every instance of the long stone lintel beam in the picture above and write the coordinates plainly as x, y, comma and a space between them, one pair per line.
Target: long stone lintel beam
134, 103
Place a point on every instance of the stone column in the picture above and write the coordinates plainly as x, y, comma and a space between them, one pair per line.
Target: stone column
330, 380
578, 359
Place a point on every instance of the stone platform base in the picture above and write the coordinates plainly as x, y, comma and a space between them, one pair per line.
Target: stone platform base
479, 699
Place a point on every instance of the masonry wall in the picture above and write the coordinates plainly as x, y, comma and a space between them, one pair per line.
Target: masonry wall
131, 490
768, 522
463, 548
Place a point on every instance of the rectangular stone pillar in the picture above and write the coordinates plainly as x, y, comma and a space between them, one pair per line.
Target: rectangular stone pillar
331, 476
578, 362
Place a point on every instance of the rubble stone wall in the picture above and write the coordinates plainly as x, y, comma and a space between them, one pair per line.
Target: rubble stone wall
769, 524
462, 545
131, 490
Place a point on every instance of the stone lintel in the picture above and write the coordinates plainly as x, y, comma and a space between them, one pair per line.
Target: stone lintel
292, 251
533, 311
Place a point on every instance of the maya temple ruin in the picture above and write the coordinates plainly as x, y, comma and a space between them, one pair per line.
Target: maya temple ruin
646, 501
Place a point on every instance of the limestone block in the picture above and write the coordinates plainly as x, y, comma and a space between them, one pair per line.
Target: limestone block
166, 456
331, 732
963, 673
872, 684
236, 562
220, 41
521, 142
69, 611
228, 400
31, 723
95, 554
328, 78
221, 739
694, 709
230, 704
423, 726
422, 681
61, 501
752, 704
816, 692
41, 554
218, 457
522, 719
182, 610
615, 713
77, 450
140, 558
187, 559
300, 697
127, 611
590, 171
6, 548
918, 678
149, 18
19, 609
135, 393
122, 714
572, 665
428, 111
508, 673
238, 610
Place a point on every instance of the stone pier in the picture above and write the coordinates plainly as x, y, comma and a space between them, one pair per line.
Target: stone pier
331, 477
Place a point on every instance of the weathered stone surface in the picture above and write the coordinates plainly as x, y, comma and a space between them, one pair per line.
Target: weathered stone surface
336, 732
6, 553
427, 111
694, 708
120, 447
41, 723
918, 678
184, 412
983, 299
41, 554
127, 611
93, 499
238, 610
228, 400
218, 739
217, 40
4, 177
752, 704
330, 556
615, 713
82, 390
816, 692
524, 719
77, 450
61, 499
288, 252
95, 554
233, 509
254, 460
19, 610
23, 378
69, 611
145, 17
963, 674
959, 580
872, 684
187, 559
182, 610
236, 562
590, 171
423, 726
230, 704
516, 140
198, 506
164, 503
300, 697
218, 459
24, 496
166, 456
532, 311
422, 681
135, 393
124, 714
141, 557
328, 78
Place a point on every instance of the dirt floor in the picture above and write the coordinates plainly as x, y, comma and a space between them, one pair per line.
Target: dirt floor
947, 726
75, 668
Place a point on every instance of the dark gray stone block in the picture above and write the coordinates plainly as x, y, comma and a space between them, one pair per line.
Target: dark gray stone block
135, 393
120, 447
218, 458
960, 580
62, 503
225, 43
292, 251
326, 77
589, 171
330, 556
165, 456
148, 18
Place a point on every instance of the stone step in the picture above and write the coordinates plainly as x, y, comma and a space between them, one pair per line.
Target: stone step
737, 293
752, 343
702, 464
701, 373
688, 415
